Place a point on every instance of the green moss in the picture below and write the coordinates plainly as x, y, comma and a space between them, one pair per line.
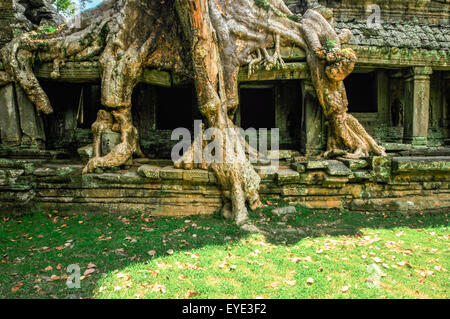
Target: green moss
294, 17
264, 4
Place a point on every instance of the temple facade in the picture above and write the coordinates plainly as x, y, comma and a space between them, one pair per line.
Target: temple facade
399, 91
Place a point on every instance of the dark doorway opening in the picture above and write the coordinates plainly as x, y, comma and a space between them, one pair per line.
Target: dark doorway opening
75, 106
257, 107
362, 93
174, 108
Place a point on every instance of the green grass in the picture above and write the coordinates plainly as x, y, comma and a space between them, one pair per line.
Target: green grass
213, 259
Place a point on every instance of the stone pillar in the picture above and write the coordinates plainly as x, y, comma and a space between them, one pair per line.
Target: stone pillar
10, 132
384, 114
417, 106
313, 140
446, 100
32, 125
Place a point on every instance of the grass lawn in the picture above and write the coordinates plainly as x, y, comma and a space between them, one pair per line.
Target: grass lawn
315, 254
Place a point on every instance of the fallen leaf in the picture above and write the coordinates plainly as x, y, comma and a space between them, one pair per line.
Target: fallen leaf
48, 268
89, 271
158, 288
291, 282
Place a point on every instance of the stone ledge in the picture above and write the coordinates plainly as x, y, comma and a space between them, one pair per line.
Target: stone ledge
422, 164
158, 188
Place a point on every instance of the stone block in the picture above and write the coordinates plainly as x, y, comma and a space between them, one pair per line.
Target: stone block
354, 164
312, 178
267, 173
317, 164
298, 167
287, 176
382, 166
86, 152
336, 168
44, 171
360, 176
196, 175
285, 213
170, 172
32, 125
109, 140
421, 164
149, 171
334, 181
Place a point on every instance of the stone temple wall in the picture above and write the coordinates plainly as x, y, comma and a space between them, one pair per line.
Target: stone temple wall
405, 184
6, 17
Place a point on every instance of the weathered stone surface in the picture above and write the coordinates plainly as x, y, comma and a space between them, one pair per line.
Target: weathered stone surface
354, 164
317, 164
382, 167
59, 184
284, 210
438, 202
282, 154
149, 171
170, 172
312, 178
28, 166
32, 125
298, 167
287, 176
86, 152
285, 213
359, 176
336, 168
422, 164
267, 173
109, 140
44, 171
196, 175
432, 185
10, 132
334, 181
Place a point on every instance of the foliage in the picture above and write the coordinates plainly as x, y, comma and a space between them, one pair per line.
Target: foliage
329, 45
315, 254
264, 4
69, 7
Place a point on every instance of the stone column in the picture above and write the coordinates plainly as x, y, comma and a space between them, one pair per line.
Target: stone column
10, 132
384, 115
32, 125
417, 106
313, 139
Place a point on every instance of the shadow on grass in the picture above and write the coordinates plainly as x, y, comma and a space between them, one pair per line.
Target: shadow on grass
31, 243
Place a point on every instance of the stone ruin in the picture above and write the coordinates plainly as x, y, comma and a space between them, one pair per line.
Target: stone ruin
399, 91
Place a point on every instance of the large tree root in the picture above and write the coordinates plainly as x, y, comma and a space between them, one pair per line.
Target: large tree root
123, 151
329, 67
